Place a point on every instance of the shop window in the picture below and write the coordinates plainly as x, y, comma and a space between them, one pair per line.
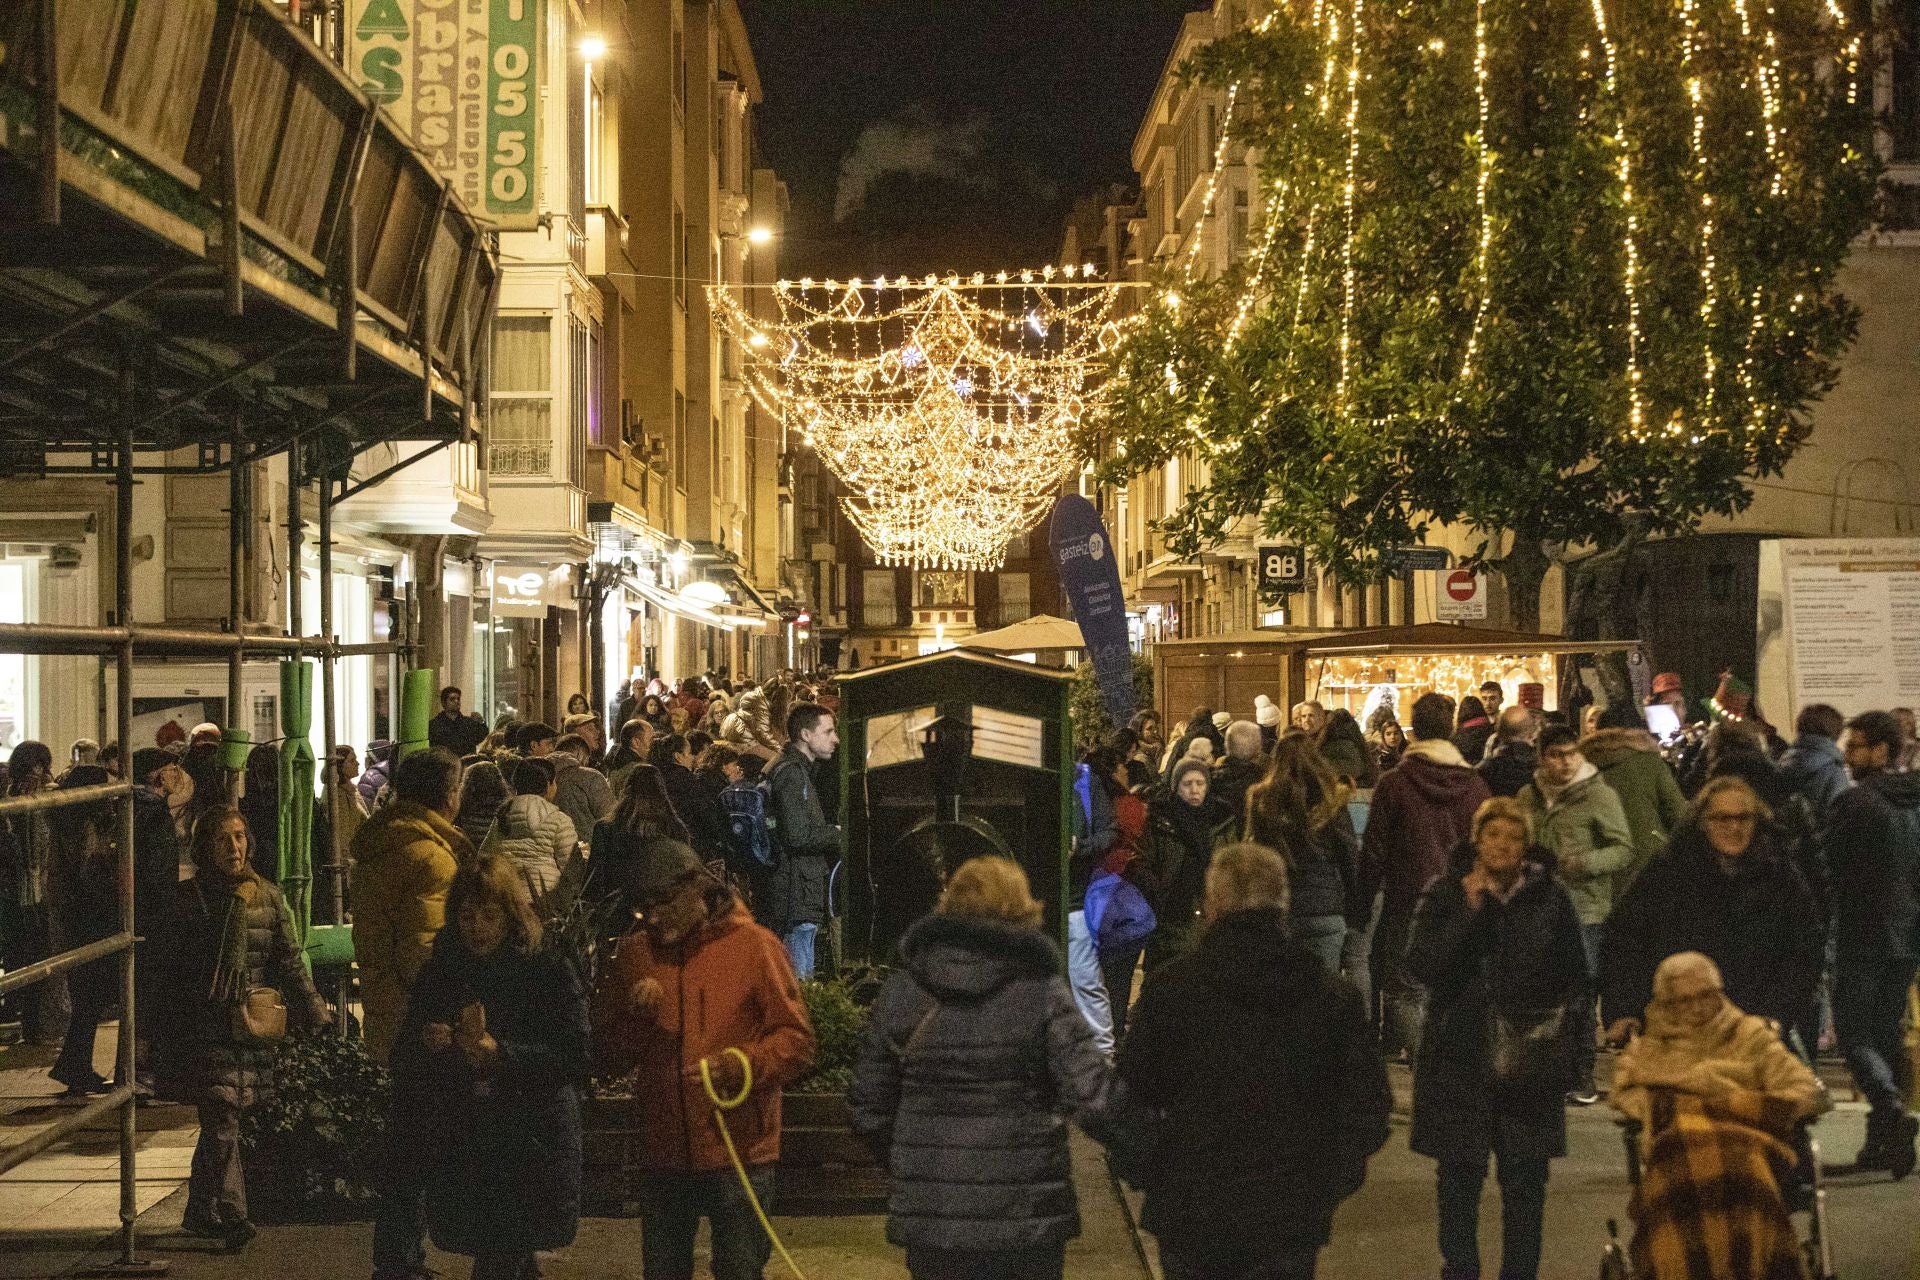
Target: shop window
879, 606
1016, 597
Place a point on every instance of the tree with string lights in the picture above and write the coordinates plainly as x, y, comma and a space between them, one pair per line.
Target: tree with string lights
1561, 272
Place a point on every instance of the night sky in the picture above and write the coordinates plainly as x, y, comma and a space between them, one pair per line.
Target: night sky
937, 135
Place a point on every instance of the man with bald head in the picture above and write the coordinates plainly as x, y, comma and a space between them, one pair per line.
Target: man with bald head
1511, 756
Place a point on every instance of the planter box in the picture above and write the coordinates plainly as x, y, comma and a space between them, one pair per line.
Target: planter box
610, 1137
824, 1168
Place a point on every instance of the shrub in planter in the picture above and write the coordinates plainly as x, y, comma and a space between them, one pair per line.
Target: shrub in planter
839, 1018
312, 1140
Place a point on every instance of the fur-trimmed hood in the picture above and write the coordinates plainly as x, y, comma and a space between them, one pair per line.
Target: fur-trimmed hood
1607, 747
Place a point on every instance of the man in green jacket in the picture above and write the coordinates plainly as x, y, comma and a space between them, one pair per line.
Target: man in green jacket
809, 845
1577, 819
1629, 760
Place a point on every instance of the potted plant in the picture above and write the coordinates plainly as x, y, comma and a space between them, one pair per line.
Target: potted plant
824, 1167
312, 1139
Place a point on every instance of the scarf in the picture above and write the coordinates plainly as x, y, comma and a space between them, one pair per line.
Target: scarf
1194, 824
1669, 1052
232, 974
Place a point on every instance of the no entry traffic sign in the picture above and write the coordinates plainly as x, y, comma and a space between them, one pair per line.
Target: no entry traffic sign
1462, 596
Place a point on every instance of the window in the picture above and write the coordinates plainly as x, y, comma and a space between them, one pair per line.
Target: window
1242, 224
596, 142
679, 442
520, 437
580, 399
596, 371
876, 589
679, 250
716, 481
1016, 598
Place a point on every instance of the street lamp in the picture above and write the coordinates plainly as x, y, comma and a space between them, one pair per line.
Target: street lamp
760, 235
593, 48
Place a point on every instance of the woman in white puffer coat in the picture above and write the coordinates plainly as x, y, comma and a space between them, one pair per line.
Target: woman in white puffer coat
540, 839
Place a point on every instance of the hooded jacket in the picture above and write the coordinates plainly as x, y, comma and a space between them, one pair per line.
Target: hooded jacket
1273, 1088
809, 844
1873, 850
974, 1061
404, 858
541, 840
1422, 808
731, 986
1814, 768
1757, 921
1585, 830
1629, 761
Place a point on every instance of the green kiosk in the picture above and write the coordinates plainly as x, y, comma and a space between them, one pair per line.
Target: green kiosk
947, 757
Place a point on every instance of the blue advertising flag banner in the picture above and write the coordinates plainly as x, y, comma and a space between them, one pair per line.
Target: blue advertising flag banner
1091, 577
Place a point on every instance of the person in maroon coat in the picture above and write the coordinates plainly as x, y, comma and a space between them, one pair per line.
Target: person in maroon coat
1422, 810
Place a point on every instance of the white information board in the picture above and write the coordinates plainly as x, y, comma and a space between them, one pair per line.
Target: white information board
1852, 622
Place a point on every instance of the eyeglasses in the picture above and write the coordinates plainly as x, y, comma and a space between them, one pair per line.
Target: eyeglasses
1730, 819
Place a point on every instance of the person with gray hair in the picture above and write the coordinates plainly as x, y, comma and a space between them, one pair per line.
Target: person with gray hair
1511, 756
1234, 776
1267, 1071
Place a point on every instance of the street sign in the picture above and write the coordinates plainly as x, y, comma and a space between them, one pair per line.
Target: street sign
1405, 559
1462, 595
1282, 568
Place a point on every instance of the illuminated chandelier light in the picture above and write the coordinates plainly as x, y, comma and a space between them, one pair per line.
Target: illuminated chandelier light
948, 406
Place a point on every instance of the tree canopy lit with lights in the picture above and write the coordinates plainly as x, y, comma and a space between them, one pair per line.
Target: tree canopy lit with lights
1560, 271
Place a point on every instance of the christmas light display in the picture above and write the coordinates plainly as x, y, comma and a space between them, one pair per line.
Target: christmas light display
947, 405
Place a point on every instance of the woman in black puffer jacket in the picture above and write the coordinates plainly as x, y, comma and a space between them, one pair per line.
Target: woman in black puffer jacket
974, 1061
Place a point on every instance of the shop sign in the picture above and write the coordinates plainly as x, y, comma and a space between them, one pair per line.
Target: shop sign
519, 591
1411, 559
1462, 595
463, 79
1282, 568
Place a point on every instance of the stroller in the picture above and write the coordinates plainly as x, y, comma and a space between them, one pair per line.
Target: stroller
1800, 1186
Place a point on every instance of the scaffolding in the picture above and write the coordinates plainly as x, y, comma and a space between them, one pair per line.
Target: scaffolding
269, 269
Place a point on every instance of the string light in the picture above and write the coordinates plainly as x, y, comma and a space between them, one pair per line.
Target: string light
947, 407
1483, 178
1630, 242
1348, 276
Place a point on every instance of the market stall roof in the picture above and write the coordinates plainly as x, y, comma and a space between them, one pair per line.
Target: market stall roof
1424, 637
988, 661
1042, 631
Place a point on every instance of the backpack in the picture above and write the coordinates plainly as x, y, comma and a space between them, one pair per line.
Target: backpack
744, 805
1118, 915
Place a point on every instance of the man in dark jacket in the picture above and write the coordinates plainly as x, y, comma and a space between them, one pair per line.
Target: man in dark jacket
698, 808
1511, 757
1239, 771
1270, 1081
1813, 765
1422, 810
1873, 848
809, 845
457, 732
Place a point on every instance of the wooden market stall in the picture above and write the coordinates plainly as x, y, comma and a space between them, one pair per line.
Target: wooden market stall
1356, 669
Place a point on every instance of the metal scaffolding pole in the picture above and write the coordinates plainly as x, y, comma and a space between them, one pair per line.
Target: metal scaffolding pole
330, 795
236, 591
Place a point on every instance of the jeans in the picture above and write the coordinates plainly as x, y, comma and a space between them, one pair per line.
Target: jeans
1403, 1001
1586, 1010
1116, 975
1325, 936
1041, 1262
217, 1186
671, 1206
1869, 1002
1523, 1208
400, 1212
799, 943
1089, 990
1299, 1264
1356, 957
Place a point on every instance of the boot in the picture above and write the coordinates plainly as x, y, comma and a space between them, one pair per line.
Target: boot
1900, 1147
1877, 1152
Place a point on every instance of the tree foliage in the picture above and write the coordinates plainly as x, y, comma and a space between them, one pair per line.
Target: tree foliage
1369, 368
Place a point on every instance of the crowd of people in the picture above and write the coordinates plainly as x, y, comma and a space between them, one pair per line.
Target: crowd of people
1261, 918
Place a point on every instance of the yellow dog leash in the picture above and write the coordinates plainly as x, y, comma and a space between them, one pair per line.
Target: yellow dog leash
720, 1108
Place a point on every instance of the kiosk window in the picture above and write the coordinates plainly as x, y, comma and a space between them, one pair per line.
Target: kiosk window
1010, 739
895, 739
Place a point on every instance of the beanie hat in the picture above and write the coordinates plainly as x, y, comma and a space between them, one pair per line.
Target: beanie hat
1221, 720
668, 865
1187, 765
1265, 714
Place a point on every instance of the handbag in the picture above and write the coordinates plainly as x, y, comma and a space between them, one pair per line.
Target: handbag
256, 1016
261, 1017
1529, 1052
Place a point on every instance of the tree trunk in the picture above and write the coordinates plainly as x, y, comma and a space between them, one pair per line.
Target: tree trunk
1525, 569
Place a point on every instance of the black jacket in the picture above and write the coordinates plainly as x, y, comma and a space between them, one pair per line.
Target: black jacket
459, 734
1522, 957
699, 809
972, 1064
1873, 852
1323, 869
504, 1147
809, 845
1231, 782
1172, 867
1272, 1086
1759, 924
1509, 768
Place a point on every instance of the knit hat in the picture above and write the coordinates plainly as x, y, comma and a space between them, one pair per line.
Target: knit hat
1265, 714
1200, 749
1187, 765
667, 866
1221, 720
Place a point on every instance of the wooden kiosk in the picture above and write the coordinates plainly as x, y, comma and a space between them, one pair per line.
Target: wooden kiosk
1008, 776
1346, 668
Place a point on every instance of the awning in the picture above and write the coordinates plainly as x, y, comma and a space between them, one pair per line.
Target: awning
684, 608
746, 597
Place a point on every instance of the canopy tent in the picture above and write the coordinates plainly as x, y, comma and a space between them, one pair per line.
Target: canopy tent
1038, 633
